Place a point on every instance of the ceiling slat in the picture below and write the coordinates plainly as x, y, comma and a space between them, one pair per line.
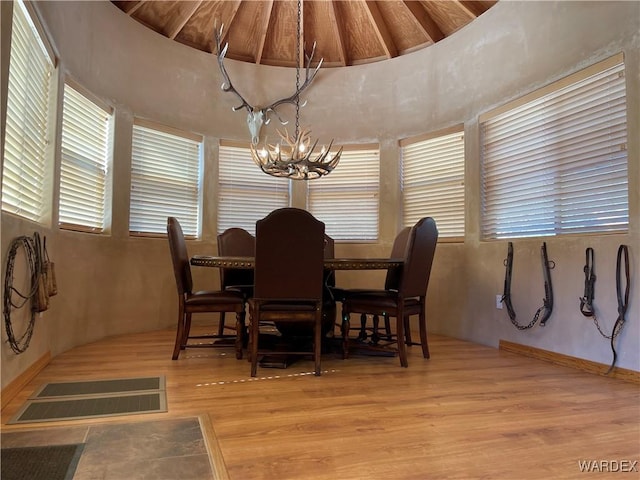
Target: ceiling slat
424, 21
346, 32
338, 33
263, 26
382, 32
179, 21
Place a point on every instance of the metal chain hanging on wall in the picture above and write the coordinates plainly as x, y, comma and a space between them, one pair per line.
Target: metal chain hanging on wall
587, 307
547, 307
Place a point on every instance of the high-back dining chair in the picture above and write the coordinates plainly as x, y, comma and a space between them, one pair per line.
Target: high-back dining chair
201, 301
398, 250
392, 280
236, 242
328, 302
409, 298
288, 278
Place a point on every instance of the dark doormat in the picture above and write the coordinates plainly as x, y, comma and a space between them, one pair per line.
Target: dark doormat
52, 462
99, 387
100, 398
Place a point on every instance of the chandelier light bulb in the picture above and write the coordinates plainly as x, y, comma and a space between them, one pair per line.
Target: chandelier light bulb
294, 157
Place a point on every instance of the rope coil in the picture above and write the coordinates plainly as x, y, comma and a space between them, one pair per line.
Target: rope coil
14, 299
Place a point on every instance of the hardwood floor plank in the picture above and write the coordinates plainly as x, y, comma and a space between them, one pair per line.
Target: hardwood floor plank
468, 412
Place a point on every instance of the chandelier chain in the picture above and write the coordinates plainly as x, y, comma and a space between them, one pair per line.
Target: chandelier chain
298, 41
293, 157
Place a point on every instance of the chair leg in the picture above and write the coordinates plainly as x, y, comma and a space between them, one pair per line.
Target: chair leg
249, 343
221, 324
375, 337
253, 341
407, 331
345, 334
187, 330
317, 342
179, 334
402, 347
423, 332
362, 336
387, 326
240, 317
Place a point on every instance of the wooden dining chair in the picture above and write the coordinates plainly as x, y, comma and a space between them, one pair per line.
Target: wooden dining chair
392, 280
236, 242
288, 279
329, 310
410, 297
201, 301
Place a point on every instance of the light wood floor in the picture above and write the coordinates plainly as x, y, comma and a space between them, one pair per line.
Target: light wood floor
470, 412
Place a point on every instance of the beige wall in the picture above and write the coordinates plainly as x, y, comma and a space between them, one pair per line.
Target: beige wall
113, 284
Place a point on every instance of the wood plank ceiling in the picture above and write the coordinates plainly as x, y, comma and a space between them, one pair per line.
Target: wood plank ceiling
346, 32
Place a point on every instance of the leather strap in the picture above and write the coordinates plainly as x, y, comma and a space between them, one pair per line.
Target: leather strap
623, 298
506, 293
547, 308
586, 301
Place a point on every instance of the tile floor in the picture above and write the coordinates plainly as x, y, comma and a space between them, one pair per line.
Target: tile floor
163, 449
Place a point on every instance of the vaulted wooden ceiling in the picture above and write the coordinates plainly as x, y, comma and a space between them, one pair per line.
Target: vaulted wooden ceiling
346, 32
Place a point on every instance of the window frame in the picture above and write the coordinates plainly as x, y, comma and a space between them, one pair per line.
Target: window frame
28, 172
234, 188
358, 189
560, 208
185, 188
93, 162
437, 181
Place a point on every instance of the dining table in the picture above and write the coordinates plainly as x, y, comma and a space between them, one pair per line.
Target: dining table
330, 265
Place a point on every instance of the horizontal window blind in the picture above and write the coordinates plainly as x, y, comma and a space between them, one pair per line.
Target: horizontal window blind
165, 181
245, 193
557, 164
86, 156
347, 199
28, 130
433, 182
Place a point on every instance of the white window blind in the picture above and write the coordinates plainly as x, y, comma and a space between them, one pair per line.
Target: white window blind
28, 130
86, 156
165, 180
346, 200
433, 181
556, 161
245, 193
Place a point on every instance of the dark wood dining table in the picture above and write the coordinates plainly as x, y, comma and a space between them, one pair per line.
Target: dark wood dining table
330, 264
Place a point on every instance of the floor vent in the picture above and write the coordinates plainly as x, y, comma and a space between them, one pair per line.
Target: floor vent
100, 398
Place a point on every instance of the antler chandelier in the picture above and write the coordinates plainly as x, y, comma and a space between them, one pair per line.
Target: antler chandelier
292, 157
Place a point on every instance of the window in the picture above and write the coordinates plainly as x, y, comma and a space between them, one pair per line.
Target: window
346, 200
165, 179
245, 193
86, 155
28, 127
433, 181
555, 161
